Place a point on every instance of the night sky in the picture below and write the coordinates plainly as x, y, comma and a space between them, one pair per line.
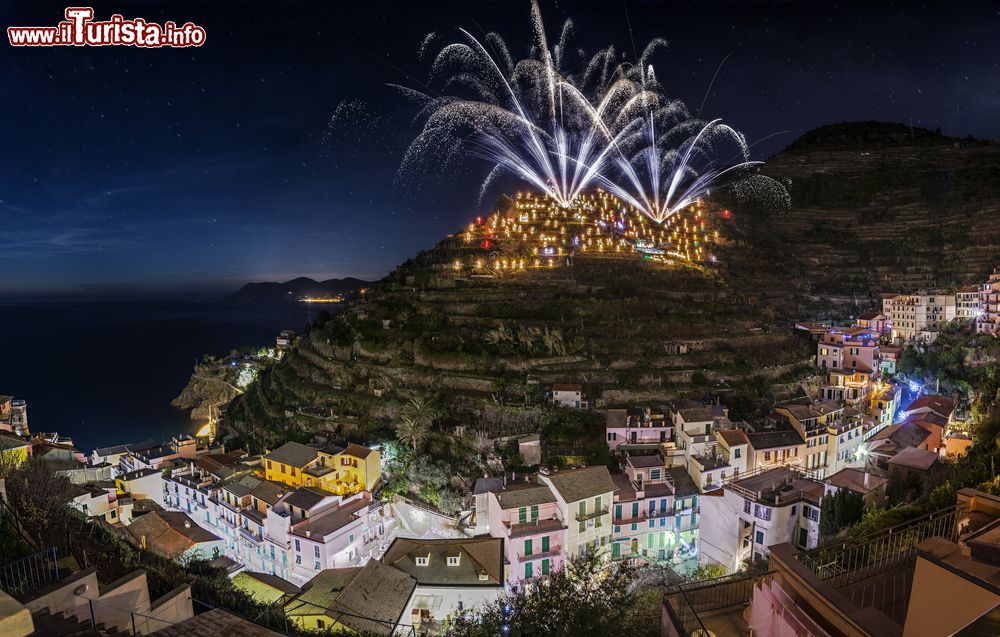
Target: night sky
192, 171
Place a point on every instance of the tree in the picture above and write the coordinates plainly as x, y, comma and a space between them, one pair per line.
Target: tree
411, 432
839, 510
421, 410
587, 597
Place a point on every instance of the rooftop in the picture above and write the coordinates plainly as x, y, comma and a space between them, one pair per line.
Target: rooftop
525, 494
940, 405
779, 486
294, 454
215, 623
854, 480
357, 451
332, 520
579, 484
763, 440
733, 437
915, 458
169, 533
307, 497
369, 599
476, 556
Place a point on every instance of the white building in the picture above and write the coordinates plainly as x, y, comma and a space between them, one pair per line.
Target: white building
452, 575
917, 316
745, 517
584, 498
568, 395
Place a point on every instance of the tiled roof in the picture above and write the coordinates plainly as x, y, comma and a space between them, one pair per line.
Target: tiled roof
915, 458
295, 454
476, 555
641, 462
566, 387
579, 484
357, 451
762, 440
524, 494
369, 599
307, 497
734, 437
940, 405
854, 479
168, 533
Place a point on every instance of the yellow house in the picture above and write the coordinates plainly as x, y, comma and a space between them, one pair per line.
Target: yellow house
13, 451
288, 462
344, 471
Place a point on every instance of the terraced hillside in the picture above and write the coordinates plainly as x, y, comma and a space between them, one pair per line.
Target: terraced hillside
883, 207
490, 317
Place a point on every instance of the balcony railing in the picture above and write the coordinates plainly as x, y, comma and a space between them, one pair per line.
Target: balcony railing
531, 527
553, 551
593, 514
846, 563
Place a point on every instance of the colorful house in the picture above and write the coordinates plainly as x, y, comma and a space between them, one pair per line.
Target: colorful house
339, 470
526, 516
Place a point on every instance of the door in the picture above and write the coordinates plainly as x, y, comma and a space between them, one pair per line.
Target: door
803, 538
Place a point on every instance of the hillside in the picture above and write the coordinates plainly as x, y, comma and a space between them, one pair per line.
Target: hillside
532, 295
882, 207
487, 319
271, 293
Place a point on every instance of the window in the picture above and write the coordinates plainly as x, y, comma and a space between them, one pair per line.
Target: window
293, 472
612, 435
760, 537
583, 508
422, 560
114, 514
283, 469
522, 515
534, 512
528, 545
298, 559
298, 547
269, 464
635, 509
618, 512
545, 566
316, 551
737, 452
764, 513
453, 560
350, 539
320, 623
746, 506
317, 566
654, 474
545, 544
767, 455
597, 504
527, 570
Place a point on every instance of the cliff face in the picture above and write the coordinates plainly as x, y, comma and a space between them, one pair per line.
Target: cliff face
207, 389
878, 208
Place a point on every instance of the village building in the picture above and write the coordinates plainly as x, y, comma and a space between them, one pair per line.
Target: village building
870, 486
917, 317
747, 516
527, 517
568, 395
452, 575
584, 497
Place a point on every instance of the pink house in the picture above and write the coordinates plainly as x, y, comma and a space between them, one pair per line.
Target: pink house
853, 348
526, 516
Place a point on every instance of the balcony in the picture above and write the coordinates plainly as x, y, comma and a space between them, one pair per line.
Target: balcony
590, 516
552, 552
250, 536
531, 528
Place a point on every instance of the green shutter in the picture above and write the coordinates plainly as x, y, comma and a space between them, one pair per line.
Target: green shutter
527, 570
545, 544
545, 566
534, 512
583, 508
528, 547
616, 549
522, 515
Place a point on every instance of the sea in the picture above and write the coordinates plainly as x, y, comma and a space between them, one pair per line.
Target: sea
104, 373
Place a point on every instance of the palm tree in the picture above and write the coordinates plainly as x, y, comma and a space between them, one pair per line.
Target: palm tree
411, 432
422, 410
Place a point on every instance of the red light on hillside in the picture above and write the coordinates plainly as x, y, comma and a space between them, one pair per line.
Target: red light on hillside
485, 244
479, 221
726, 214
